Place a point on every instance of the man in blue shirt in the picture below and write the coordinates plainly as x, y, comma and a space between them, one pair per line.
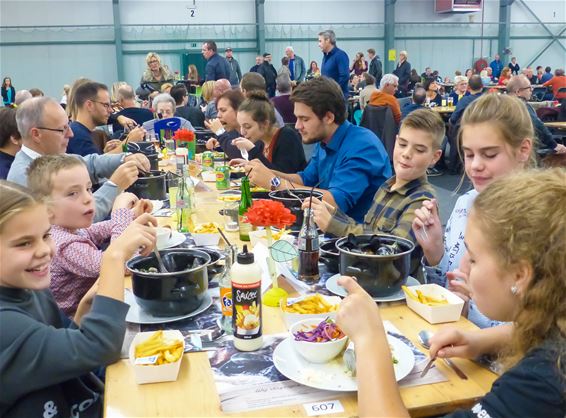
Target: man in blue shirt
349, 162
496, 65
335, 62
216, 67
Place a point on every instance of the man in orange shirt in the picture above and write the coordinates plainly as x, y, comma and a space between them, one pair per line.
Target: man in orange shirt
385, 96
557, 82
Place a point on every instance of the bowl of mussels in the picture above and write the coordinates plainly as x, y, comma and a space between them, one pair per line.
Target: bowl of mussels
178, 291
381, 263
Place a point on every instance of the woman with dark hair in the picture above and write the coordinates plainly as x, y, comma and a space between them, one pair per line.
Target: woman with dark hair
226, 126
10, 140
8, 92
431, 87
360, 65
313, 71
277, 148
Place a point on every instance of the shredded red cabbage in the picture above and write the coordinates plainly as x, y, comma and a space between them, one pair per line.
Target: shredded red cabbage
324, 332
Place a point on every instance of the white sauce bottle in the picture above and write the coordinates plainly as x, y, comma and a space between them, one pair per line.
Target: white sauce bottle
246, 300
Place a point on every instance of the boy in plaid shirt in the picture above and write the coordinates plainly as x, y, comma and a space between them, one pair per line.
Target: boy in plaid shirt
418, 147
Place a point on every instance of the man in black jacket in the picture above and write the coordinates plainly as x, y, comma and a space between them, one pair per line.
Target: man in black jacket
192, 114
375, 66
269, 73
216, 67
403, 71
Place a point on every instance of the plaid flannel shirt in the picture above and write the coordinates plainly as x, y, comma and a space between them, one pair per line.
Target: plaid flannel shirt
392, 211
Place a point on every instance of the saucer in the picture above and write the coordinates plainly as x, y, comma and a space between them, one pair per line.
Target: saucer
176, 239
332, 286
136, 315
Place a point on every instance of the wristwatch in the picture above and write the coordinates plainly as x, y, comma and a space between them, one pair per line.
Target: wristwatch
275, 183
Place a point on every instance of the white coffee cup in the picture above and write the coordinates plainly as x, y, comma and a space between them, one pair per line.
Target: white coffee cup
163, 236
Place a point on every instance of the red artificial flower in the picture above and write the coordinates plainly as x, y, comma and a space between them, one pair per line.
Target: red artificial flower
184, 135
266, 212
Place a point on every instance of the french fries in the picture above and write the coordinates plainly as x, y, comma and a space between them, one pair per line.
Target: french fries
314, 304
208, 228
166, 350
424, 299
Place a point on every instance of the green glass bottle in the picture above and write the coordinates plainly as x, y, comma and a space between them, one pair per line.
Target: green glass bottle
245, 204
185, 203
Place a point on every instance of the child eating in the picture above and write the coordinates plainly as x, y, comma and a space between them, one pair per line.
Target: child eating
417, 148
63, 181
46, 360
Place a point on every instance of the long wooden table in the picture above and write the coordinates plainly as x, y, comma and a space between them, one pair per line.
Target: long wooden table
194, 393
556, 125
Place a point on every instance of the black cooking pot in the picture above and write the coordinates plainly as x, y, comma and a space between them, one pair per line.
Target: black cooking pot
170, 294
215, 268
143, 147
293, 203
330, 256
379, 275
151, 187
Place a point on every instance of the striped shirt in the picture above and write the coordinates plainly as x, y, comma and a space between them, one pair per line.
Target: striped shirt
392, 211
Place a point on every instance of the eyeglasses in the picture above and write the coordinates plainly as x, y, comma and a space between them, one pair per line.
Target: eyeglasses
526, 88
106, 105
153, 62
61, 131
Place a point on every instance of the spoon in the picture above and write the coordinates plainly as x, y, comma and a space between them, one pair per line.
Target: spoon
162, 268
424, 337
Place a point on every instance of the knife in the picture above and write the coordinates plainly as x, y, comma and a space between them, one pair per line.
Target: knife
456, 369
428, 366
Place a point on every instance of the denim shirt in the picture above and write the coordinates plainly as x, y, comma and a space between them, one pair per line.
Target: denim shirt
351, 166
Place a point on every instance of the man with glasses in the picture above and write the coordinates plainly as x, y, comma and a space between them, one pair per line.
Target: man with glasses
93, 109
216, 67
44, 128
385, 96
520, 86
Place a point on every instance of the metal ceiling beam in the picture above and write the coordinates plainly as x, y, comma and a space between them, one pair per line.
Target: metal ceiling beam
553, 36
260, 25
118, 40
548, 45
389, 35
503, 38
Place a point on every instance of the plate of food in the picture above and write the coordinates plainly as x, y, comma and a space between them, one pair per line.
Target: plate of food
334, 375
229, 196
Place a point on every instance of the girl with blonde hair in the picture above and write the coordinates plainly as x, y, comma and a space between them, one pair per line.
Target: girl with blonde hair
516, 241
155, 75
496, 136
47, 359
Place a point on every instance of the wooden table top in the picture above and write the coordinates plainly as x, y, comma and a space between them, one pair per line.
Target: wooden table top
556, 125
194, 393
444, 109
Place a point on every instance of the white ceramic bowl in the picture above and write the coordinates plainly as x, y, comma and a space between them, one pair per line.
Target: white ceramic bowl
206, 240
292, 318
316, 352
163, 235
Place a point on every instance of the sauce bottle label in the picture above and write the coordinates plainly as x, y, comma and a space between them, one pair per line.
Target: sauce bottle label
247, 308
226, 301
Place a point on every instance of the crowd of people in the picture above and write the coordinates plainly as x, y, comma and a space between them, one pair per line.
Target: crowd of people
502, 250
